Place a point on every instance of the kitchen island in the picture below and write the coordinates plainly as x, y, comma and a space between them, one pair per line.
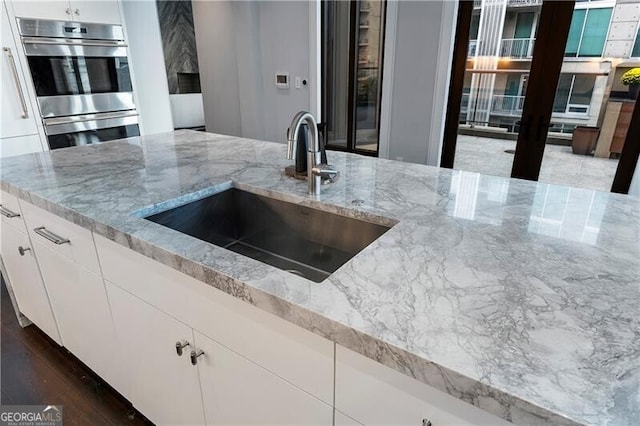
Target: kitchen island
517, 297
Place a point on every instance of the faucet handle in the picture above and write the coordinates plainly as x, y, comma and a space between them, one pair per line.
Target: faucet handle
325, 171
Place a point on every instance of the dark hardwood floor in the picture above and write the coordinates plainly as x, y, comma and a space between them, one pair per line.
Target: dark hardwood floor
35, 370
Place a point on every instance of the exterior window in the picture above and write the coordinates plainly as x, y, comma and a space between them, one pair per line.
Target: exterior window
475, 25
588, 32
636, 47
573, 95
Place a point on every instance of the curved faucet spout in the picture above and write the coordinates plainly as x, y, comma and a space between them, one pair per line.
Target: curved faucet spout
314, 172
292, 137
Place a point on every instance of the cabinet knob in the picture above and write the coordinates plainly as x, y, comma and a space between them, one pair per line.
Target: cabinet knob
180, 346
426, 422
67, 11
77, 12
195, 355
23, 250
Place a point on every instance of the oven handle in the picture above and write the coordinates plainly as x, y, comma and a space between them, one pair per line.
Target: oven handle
76, 125
89, 117
16, 81
73, 42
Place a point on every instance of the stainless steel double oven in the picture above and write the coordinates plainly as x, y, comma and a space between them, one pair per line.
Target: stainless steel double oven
82, 81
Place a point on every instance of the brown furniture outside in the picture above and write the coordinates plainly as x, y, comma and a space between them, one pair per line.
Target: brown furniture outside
584, 140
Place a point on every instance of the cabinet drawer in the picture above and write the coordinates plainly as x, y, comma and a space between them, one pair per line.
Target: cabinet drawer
297, 355
10, 209
75, 243
374, 394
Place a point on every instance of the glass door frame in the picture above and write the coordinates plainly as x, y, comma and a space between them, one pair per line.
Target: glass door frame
538, 104
351, 145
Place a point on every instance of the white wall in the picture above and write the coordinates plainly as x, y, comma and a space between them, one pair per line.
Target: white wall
241, 45
146, 58
423, 47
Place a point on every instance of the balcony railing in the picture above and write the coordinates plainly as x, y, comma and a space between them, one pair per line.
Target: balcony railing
518, 48
523, 3
477, 4
507, 105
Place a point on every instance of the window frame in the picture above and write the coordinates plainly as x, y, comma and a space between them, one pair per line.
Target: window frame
588, 6
567, 113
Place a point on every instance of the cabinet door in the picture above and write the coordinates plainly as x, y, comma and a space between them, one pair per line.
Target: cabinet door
104, 12
24, 278
17, 119
374, 394
80, 306
58, 10
162, 385
237, 391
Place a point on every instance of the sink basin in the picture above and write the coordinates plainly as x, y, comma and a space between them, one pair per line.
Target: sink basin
301, 240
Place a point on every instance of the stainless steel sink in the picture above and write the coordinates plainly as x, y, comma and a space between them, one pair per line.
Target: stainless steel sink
294, 238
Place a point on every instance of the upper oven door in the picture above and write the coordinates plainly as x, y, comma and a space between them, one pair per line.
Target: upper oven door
68, 69
72, 78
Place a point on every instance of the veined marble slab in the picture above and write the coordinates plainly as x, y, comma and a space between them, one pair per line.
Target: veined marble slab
518, 297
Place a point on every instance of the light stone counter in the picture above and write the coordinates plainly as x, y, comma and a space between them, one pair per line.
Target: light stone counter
520, 298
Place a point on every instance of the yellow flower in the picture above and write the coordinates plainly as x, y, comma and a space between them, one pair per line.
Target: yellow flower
631, 77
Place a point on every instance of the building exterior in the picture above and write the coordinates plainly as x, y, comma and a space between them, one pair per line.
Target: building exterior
603, 42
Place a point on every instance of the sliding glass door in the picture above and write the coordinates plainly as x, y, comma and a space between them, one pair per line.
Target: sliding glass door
353, 40
540, 92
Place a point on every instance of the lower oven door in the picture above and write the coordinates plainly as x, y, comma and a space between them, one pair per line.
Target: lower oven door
64, 132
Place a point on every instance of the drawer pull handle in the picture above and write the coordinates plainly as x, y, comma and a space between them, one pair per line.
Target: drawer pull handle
195, 355
23, 250
44, 232
8, 213
180, 346
426, 422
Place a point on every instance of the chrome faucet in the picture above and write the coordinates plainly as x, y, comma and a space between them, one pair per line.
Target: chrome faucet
315, 169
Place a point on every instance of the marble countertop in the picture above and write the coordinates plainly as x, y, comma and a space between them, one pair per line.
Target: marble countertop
519, 297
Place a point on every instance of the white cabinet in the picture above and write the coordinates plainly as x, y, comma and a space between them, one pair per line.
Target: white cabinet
162, 385
24, 275
374, 394
19, 145
256, 368
99, 11
106, 12
237, 391
286, 350
18, 126
169, 389
68, 263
